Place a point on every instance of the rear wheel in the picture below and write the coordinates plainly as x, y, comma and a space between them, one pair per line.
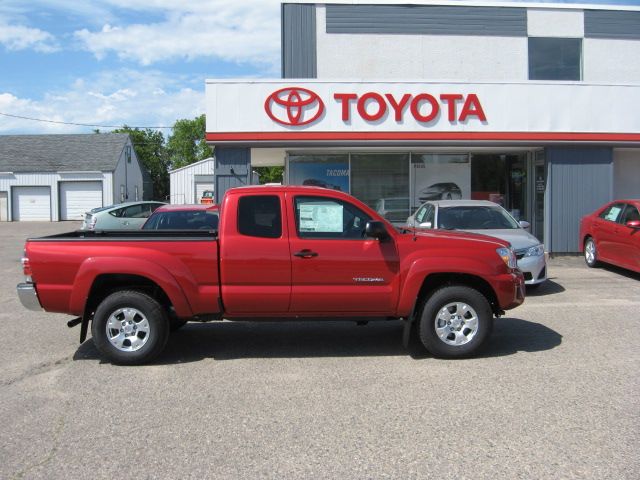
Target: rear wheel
590, 253
130, 328
455, 322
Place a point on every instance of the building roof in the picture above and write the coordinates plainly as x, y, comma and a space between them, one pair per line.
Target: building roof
54, 153
208, 159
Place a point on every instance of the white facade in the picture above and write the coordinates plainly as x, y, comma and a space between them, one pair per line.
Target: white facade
187, 183
470, 58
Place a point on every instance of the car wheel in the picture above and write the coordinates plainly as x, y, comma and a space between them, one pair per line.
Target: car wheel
590, 253
130, 328
455, 322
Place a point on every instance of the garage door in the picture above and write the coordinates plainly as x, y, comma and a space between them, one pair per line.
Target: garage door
4, 212
200, 188
76, 198
31, 203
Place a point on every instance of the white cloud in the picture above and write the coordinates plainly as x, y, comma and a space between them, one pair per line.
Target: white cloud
237, 31
149, 99
20, 37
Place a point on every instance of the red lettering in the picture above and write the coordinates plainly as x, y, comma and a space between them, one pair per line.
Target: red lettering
415, 107
472, 108
398, 107
345, 98
450, 99
362, 107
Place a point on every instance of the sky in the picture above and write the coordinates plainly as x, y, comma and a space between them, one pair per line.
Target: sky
142, 63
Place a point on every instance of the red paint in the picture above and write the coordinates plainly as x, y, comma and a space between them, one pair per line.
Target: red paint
295, 106
617, 242
261, 277
345, 99
423, 136
472, 108
417, 105
451, 99
371, 98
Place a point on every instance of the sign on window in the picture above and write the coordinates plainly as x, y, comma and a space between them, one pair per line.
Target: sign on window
321, 218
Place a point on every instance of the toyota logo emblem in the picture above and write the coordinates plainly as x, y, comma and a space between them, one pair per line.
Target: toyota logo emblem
294, 106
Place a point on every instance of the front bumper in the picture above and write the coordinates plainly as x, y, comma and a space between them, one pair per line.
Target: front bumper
534, 268
510, 290
29, 297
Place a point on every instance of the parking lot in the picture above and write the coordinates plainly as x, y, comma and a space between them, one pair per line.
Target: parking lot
555, 394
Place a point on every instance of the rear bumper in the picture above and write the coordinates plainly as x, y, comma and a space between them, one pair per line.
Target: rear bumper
510, 290
29, 297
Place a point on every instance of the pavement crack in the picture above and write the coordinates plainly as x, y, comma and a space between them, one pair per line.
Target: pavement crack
38, 370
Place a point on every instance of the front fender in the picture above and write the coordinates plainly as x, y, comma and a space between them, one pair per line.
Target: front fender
92, 267
419, 269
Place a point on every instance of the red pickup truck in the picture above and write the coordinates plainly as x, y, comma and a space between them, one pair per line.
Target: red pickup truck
280, 252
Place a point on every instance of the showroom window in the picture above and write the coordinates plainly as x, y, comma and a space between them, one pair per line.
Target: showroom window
555, 58
381, 180
328, 171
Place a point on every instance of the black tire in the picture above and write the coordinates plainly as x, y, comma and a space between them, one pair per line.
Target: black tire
590, 248
176, 323
473, 338
149, 325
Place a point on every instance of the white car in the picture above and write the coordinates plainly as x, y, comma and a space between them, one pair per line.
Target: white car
487, 218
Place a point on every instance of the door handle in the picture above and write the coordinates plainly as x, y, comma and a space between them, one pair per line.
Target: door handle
306, 253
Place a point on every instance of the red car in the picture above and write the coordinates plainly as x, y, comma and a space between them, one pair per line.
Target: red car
611, 234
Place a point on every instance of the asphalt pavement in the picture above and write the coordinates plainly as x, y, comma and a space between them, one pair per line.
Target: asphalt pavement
555, 395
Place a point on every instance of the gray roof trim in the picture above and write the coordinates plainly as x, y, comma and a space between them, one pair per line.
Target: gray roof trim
61, 153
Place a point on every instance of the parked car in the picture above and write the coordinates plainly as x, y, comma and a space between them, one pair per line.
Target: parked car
611, 234
440, 191
281, 252
125, 216
393, 209
183, 217
488, 218
207, 197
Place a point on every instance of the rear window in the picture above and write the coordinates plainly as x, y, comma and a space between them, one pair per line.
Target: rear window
260, 216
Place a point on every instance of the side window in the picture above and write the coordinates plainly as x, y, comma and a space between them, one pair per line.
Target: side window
420, 214
429, 216
135, 211
319, 217
259, 216
612, 213
630, 214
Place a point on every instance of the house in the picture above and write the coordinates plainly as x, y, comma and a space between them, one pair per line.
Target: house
60, 177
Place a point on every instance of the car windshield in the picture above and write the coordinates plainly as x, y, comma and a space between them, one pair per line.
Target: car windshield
475, 218
183, 220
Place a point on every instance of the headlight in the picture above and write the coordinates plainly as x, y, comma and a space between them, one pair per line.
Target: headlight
508, 257
535, 251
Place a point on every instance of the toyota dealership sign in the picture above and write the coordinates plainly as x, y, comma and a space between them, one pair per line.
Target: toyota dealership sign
279, 111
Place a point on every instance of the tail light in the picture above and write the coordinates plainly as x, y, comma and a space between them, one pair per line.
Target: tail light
26, 267
91, 222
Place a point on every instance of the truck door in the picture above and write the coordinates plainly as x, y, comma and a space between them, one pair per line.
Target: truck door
255, 262
334, 267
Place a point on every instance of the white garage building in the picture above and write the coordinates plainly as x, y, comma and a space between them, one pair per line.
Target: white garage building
60, 177
187, 184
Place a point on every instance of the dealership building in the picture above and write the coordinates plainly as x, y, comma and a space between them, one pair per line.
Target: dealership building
533, 106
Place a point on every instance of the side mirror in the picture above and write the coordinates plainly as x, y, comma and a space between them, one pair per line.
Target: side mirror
375, 229
633, 224
426, 225
524, 224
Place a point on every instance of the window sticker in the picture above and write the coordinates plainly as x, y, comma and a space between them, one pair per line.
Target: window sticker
323, 217
613, 213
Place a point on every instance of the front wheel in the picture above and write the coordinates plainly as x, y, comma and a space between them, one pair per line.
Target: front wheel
455, 322
130, 328
590, 253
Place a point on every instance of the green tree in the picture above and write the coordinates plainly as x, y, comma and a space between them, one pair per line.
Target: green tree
187, 144
151, 151
270, 174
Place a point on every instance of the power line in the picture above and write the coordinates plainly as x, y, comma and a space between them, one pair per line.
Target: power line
79, 124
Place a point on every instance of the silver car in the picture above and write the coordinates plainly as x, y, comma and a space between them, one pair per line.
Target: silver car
487, 218
125, 216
